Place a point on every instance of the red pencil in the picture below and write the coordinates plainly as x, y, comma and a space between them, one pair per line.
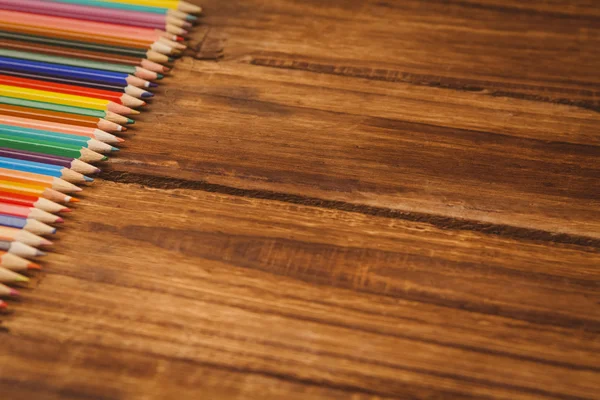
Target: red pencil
28, 212
32, 201
119, 98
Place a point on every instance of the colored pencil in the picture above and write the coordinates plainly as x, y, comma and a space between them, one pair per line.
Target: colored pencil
143, 19
9, 132
146, 41
37, 179
87, 46
28, 212
87, 55
35, 190
129, 89
119, 98
23, 236
20, 249
62, 128
6, 291
133, 7
52, 148
30, 225
37, 202
66, 162
158, 46
15, 263
43, 169
71, 72
180, 5
65, 99
108, 115
76, 73
82, 63
99, 29
60, 117
8, 276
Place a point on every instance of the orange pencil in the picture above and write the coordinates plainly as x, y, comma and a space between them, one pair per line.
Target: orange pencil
41, 180
16, 263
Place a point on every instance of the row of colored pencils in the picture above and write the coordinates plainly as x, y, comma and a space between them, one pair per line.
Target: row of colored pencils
73, 74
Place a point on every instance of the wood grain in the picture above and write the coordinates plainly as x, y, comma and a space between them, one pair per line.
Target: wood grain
359, 200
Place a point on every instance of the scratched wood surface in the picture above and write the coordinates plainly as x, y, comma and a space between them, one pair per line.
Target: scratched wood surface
361, 199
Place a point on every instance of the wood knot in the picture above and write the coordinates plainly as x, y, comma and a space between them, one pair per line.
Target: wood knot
210, 45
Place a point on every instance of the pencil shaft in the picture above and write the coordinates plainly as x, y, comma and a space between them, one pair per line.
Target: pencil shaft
64, 71
74, 44
71, 52
149, 20
71, 61
29, 201
52, 107
119, 6
20, 249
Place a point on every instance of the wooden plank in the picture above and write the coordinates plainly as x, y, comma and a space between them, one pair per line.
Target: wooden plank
324, 298
361, 199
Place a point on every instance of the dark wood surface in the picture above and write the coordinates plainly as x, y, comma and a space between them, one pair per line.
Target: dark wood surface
361, 199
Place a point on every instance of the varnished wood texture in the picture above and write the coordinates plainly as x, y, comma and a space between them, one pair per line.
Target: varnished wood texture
361, 199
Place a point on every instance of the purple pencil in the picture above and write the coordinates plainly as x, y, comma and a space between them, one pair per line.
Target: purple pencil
114, 16
72, 163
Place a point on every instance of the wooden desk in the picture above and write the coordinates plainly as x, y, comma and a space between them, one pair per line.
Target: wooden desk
362, 199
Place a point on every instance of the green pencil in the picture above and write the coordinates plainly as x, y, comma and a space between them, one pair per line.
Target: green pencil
108, 115
53, 148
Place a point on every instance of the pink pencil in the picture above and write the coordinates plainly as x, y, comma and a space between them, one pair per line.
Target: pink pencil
62, 128
115, 16
100, 28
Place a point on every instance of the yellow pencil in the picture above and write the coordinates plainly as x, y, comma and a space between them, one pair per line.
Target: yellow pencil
65, 99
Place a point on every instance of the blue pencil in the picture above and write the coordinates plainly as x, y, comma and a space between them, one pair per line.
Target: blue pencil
85, 74
56, 171
30, 225
80, 82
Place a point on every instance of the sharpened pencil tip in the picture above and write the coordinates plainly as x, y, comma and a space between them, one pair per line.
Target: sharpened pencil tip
135, 112
97, 171
40, 253
130, 121
32, 265
104, 158
123, 129
171, 59
147, 95
66, 210
152, 84
88, 179
59, 220
3, 305
159, 76
191, 18
74, 200
14, 292
114, 149
53, 231
120, 140
46, 242
179, 38
21, 278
